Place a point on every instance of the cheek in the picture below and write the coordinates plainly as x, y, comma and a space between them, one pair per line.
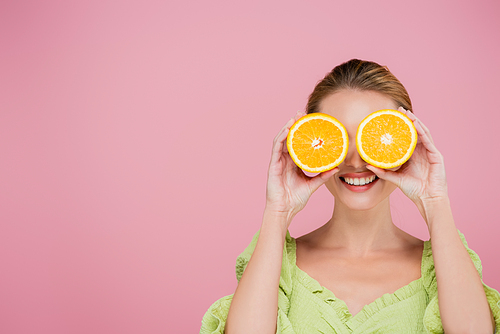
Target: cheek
389, 187
331, 185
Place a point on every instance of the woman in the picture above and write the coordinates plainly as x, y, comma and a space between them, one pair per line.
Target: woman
358, 273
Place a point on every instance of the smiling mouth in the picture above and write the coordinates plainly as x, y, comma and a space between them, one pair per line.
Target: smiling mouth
363, 181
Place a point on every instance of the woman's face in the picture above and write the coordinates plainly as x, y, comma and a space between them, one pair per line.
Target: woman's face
350, 107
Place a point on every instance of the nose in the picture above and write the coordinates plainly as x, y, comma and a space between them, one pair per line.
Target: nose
353, 159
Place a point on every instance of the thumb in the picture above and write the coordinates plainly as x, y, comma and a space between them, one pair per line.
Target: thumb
385, 174
318, 180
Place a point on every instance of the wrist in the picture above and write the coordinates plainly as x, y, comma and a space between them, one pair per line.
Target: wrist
277, 217
434, 203
279, 210
436, 210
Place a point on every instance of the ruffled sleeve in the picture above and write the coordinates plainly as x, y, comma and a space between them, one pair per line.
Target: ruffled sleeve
432, 317
214, 320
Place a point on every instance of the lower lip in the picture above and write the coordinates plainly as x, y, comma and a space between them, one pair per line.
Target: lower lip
359, 189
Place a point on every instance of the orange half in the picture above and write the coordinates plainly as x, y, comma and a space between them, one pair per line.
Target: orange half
317, 142
386, 138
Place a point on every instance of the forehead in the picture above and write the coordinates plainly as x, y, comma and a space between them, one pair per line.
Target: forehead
350, 107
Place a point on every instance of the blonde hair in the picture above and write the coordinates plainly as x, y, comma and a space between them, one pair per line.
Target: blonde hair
359, 75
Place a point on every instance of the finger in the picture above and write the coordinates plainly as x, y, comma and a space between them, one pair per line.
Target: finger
283, 140
318, 180
424, 136
409, 114
297, 116
385, 174
286, 127
415, 119
412, 117
294, 119
426, 130
300, 114
406, 112
403, 110
426, 141
278, 146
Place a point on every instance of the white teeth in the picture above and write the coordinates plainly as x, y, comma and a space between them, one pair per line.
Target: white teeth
359, 181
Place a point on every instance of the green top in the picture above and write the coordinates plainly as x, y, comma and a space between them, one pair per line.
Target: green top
304, 306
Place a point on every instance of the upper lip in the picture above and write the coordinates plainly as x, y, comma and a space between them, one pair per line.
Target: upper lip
357, 175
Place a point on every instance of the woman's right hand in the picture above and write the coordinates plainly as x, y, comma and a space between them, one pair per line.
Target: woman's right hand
288, 188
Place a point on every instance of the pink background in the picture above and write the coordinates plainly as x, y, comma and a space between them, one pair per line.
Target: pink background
135, 138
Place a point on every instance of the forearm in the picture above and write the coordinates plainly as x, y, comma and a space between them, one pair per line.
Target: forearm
462, 300
255, 302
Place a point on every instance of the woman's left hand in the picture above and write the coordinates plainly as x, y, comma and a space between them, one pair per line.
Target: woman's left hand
422, 178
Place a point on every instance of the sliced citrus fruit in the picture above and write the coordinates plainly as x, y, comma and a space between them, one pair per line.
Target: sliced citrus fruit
386, 138
317, 142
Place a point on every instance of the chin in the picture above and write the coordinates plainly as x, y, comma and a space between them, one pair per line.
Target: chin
363, 201
360, 204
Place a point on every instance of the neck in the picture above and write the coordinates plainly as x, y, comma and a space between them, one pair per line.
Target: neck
359, 232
